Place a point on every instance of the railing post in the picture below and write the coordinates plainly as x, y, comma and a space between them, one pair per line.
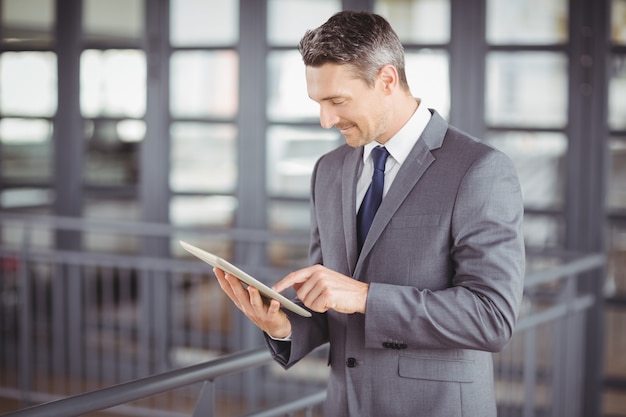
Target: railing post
559, 361
565, 355
205, 405
25, 371
530, 372
75, 330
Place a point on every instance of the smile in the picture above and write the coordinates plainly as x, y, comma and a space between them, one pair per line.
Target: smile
345, 129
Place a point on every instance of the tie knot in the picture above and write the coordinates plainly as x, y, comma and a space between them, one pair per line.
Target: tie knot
379, 156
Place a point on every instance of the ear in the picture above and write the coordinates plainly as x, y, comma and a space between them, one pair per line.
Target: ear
389, 78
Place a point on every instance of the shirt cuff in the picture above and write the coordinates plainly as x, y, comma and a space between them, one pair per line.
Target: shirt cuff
283, 339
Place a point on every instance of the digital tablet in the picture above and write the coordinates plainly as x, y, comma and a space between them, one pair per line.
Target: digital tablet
246, 279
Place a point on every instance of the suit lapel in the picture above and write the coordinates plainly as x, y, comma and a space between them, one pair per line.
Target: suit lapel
351, 170
409, 174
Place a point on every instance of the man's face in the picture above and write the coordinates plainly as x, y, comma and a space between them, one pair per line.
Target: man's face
359, 112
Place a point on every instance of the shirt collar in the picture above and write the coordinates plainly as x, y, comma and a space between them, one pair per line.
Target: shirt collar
400, 144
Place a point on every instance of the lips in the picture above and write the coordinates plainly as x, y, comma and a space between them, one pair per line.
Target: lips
344, 129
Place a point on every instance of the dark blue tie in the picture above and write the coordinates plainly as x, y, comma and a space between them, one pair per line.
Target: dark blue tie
374, 195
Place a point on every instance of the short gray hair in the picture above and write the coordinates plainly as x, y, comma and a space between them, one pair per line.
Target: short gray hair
363, 40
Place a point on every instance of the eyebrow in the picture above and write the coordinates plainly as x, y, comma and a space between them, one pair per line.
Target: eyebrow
334, 97
322, 99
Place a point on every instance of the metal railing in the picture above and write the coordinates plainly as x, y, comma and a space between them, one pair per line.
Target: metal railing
146, 387
117, 362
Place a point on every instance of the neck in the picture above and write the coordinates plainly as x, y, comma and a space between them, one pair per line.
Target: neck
404, 109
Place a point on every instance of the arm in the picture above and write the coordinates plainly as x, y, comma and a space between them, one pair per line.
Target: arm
478, 307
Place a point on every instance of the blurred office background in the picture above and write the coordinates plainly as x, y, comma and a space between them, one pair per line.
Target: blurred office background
126, 125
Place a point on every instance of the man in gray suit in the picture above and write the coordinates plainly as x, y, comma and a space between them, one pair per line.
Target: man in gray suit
413, 307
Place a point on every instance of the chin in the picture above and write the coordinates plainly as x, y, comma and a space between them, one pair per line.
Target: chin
354, 143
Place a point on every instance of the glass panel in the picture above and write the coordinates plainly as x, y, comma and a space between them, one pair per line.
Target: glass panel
543, 231
113, 151
616, 276
287, 20
290, 216
613, 399
203, 157
287, 94
615, 315
617, 93
417, 21
113, 20
202, 22
286, 216
24, 198
31, 201
28, 83
130, 130
540, 162
618, 22
26, 149
203, 210
204, 84
616, 193
428, 74
527, 21
292, 153
513, 81
27, 22
614, 364
111, 240
113, 83
112, 209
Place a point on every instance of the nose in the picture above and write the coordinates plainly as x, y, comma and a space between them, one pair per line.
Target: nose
328, 118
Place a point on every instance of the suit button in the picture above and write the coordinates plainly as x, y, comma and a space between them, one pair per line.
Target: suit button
351, 362
386, 345
403, 346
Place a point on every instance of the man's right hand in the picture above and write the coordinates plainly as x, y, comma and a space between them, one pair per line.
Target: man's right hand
268, 317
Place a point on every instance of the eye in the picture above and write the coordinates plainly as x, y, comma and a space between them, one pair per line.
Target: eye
338, 101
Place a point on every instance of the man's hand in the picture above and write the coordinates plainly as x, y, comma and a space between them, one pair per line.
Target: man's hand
322, 289
269, 318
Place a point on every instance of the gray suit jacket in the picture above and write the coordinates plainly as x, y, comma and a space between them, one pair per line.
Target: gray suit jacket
445, 262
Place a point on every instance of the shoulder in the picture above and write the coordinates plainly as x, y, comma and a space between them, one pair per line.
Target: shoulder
442, 139
463, 147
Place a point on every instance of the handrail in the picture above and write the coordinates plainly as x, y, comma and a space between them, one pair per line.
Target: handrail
151, 229
582, 263
108, 259
573, 264
80, 404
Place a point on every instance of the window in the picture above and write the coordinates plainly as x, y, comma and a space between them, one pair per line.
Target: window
28, 101
203, 82
527, 58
